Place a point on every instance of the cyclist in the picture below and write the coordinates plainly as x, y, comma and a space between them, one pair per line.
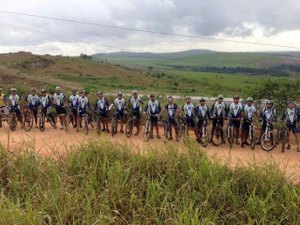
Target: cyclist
101, 107
60, 101
120, 105
268, 114
189, 114
83, 108
73, 101
135, 101
46, 104
33, 101
248, 113
172, 110
153, 110
291, 115
235, 114
13, 102
2, 105
202, 113
218, 112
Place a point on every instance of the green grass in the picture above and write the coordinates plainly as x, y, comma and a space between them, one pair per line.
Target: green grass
106, 183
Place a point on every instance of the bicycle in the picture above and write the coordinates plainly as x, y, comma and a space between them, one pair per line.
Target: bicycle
217, 138
13, 120
252, 135
85, 118
73, 117
114, 124
148, 128
41, 118
268, 139
98, 122
185, 130
282, 136
131, 123
28, 120
202, 134
231, 132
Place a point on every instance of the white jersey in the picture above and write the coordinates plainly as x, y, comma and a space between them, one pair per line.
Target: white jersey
83, 102
14, 100
59, 99
33, 100
74, 100
119, 104
136, 103
249, 111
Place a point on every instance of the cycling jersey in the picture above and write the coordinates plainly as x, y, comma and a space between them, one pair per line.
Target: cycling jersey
152, 107
119, 104
83, 103
2, 100
202, 112
171, 109
290, 116
59, 99
45, 101
268, 114
235, 110
218, 109
74, 100
249, 111
14, 100
101, 104
188, 110
136, 103
33, 101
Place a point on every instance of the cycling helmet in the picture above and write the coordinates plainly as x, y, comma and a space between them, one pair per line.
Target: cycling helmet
170, 97
236, 97
99, 92
13, 89
202, 99
152, 95
33, 89
220, 96
120, 93
188, 97
43, 91
58, 88
269, 102
134, 92
249, 99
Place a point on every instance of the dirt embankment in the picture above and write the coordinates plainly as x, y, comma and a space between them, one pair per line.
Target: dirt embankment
53, 141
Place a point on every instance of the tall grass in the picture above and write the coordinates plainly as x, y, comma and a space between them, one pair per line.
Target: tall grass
107, 183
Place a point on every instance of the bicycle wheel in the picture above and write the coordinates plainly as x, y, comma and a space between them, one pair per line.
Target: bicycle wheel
205, 137
129, 127
113, 127
42, 122
166, 132
92, 120
52, 119
98, 125
13, 122
86, 123
147, 132
252, 138
268, 141
217, 139
283, 140
230, 136
28, 123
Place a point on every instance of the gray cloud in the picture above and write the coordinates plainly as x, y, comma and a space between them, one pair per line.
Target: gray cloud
197, 17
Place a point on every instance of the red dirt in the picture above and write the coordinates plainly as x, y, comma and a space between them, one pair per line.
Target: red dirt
52, 141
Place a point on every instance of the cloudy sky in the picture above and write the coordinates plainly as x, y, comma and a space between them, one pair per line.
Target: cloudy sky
269, 21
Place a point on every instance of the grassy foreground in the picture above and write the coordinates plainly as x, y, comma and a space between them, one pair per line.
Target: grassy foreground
106, 183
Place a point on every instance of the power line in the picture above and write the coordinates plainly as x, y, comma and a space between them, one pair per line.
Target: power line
57, 35
148, 31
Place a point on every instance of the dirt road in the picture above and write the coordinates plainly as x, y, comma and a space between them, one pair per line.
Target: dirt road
52, 141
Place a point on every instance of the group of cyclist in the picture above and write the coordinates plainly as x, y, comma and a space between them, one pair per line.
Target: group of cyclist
239, 115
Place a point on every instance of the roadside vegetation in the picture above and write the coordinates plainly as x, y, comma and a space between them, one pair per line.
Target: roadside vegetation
107, 183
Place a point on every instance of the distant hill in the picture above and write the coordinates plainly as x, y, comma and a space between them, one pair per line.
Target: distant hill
153, 55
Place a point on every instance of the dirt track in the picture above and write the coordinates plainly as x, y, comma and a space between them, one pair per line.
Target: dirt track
52, 141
